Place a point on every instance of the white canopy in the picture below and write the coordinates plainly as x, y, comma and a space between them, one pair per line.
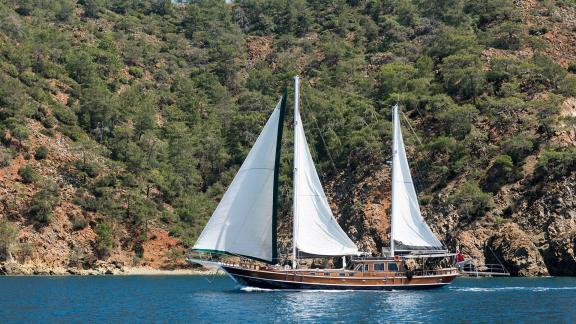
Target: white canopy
316, 231
242, 222
409, 230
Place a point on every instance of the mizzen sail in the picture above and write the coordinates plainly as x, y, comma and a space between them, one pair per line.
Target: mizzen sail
316, 231
243, 223
409, 230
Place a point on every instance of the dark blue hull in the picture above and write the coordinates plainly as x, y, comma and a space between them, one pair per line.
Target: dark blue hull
249, 279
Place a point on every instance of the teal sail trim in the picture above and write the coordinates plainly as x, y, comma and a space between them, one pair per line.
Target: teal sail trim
276, 178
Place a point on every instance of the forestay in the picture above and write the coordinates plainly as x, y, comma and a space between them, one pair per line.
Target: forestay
409, 230
242, 222
316, 231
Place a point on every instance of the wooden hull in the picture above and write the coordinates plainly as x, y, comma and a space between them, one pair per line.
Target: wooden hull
343, 280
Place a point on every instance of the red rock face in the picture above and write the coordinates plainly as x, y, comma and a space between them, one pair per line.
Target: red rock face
54, 245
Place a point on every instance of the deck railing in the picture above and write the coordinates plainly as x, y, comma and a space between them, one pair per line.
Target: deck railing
472, 269
246, 263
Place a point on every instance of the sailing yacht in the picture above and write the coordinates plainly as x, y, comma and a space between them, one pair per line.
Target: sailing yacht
244, 225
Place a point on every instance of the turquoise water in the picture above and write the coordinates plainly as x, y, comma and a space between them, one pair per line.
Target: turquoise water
192, 299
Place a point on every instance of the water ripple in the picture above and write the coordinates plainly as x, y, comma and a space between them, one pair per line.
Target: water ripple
188, 299
493, 289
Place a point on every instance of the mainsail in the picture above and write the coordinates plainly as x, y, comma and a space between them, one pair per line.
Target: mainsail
409, 230
315, 231
244, 221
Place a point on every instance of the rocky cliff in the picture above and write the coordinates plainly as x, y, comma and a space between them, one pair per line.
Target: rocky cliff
144, 111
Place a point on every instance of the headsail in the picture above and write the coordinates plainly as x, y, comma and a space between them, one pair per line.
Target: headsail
316, 231
243, 223
409, 230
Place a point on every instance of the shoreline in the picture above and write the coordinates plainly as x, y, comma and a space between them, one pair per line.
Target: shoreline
16, 269
145, 271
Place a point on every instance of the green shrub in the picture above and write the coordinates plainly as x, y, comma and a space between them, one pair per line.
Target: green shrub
572, 68
538, 31
174, 254
553, 72
28, 174
79, 222
25, 251
499, 221
93, 8
168, 217
43, 203
5, 157
65, 115
104, 239
91, 169
48, 132
73, 132
502, 171
49, 122
64, 9
555, 164
471, 201
463, 76
458, 120
28, 78
507, 35
85, 200
41, 153
567, 86
8, 239
20, 133
136, 71
138, 249
10, 69
518, 147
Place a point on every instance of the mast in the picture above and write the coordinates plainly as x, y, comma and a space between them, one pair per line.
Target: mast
409, 231
394, 153
294, 182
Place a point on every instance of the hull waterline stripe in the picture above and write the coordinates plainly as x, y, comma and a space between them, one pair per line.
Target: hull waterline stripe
336, 285
286, 272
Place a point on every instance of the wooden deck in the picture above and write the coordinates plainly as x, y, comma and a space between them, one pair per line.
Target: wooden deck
262, 276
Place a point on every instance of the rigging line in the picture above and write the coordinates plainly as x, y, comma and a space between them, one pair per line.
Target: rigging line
321, 136
497, 259
419, 175
411, 129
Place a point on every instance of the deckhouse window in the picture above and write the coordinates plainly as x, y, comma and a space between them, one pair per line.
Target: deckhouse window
392, 266
378, 266
365, 268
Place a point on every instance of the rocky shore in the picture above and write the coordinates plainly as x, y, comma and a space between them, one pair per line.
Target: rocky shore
100, 268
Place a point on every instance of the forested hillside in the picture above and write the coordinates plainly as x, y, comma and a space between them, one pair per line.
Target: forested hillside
123, 122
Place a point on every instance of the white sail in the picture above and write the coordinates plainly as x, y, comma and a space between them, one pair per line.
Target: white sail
409, 230
316, 231
242, 222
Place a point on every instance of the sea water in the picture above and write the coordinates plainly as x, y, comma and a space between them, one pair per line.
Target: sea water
208, 299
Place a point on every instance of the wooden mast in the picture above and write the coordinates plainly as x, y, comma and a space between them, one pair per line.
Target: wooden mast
294, 182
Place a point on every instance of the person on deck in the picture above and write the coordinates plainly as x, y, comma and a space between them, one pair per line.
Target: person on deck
459, 256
